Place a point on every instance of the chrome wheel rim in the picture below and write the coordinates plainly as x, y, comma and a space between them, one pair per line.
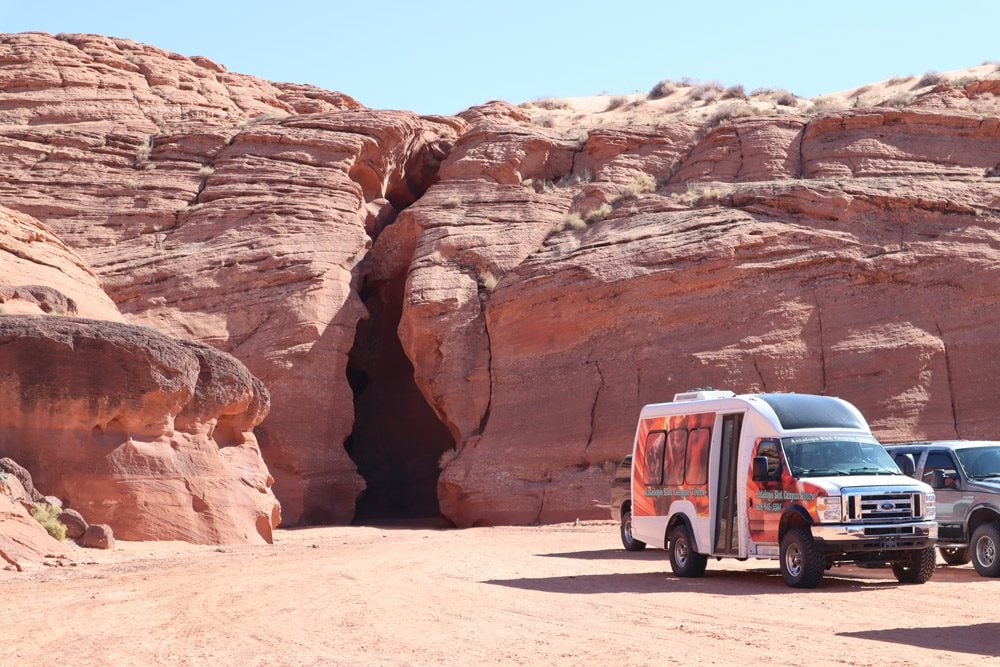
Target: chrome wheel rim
793, 560
986, 551
681, 551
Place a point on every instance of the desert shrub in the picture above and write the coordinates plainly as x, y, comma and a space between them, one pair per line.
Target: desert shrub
452, 202
858, 92
488, 280
662, 89
573, 221
896, 80
725, 112
707, 92
615, 102
206, 170
931, 78
963, 80
551, 104
641, 184
48, 516
786, 99
900, 100
447, 456
733, 92
821, 104
598, 214
761, 92
582, 176
546, 121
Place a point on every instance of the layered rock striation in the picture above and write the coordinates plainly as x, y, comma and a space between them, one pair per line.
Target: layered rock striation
504, 289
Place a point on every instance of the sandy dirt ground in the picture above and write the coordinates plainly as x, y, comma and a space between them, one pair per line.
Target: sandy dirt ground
566, 594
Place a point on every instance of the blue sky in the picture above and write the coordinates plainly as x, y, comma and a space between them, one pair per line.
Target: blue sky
441, 57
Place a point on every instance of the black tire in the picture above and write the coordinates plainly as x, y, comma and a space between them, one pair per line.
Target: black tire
916, 568
983, 549
629, 542
802, 564
955, 555
683, 560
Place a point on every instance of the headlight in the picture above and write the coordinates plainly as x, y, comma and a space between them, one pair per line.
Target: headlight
930, 506
828, 509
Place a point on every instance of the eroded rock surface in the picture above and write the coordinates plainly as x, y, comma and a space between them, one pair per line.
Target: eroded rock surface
552, 266
149, 435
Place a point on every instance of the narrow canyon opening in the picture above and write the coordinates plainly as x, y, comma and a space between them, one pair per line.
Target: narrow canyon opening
397, 439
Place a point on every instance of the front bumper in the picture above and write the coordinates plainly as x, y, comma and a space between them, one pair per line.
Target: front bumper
853, 537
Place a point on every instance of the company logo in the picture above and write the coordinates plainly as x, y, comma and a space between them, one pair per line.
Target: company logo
886, 507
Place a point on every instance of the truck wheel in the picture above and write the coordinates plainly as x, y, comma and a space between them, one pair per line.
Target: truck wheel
955, 555
916, 568
801, 562
985, 542
683, 559
629, 542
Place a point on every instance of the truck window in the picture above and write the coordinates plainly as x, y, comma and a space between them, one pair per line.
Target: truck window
674, 459
696, 468
941, 461
654, 458
769, 450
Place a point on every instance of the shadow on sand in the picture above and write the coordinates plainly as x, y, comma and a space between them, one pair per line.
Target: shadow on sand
980, 639
757, 581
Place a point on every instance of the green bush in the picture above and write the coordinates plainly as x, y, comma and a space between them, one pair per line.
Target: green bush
47, 515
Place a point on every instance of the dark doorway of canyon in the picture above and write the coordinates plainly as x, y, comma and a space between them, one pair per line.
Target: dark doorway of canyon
397, 439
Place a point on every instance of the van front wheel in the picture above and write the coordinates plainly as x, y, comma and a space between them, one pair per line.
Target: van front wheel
684, 561
802, 564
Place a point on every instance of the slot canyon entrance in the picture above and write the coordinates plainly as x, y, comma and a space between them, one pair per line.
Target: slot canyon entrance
397, 440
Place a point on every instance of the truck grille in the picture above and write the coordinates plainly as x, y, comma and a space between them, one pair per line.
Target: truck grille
882, 507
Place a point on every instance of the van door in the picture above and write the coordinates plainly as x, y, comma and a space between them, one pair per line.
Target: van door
726, 518
764, 498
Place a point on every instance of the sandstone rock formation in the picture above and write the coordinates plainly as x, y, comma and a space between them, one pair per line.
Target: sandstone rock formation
150, 435
222, 208
500, 290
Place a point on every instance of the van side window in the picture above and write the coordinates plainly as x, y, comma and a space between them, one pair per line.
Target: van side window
654, 458
940, 461
769, 450
696, 467
673, 464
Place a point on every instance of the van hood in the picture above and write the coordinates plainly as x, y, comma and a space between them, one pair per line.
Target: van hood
838, 484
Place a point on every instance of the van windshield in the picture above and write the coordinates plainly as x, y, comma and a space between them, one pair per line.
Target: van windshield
832, 455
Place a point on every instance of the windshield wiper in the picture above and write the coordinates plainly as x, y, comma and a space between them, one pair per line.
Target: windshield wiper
986, 476
821, 472
873, 471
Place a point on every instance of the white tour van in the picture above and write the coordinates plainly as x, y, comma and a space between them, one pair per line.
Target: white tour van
793, 477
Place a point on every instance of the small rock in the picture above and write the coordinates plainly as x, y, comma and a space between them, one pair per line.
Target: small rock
75, 524
98, 536
52, 500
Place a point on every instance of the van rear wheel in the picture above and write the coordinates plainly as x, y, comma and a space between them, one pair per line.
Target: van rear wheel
955, 555
684, 561
802, 565
628, 541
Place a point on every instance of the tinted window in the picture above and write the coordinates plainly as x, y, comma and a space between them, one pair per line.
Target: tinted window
654, 457
674, 459
805, 411
696, 471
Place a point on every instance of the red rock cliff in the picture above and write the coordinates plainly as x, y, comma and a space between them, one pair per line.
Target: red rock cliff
551, 268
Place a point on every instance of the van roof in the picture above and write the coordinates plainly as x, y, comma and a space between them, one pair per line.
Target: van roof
787, 411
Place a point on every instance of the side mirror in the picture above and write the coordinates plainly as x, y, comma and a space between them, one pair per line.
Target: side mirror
907, 464
760, 469
937, 479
